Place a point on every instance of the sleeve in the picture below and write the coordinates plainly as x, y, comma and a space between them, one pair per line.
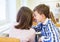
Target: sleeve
51, 34
57, 32
32, 36
56, 29
37, 27
47, 35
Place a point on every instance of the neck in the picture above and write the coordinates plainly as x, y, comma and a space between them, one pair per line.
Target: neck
43, 20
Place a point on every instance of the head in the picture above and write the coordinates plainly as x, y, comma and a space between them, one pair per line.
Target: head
24, 18
41, 12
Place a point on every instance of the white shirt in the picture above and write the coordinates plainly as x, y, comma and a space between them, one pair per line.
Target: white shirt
23, 35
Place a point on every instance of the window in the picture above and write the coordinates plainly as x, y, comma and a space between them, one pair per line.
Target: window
7, 15
2, 10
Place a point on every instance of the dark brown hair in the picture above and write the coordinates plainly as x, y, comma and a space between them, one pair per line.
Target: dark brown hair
42, 9
24, 18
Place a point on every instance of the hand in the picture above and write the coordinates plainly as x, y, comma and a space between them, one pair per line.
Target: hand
39, 40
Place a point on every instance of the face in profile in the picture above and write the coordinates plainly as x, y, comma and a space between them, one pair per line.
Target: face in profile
37, 16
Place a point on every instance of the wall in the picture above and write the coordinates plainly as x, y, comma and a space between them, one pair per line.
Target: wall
11, 10
51, 3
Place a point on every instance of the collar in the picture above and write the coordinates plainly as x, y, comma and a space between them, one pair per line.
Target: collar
45, 22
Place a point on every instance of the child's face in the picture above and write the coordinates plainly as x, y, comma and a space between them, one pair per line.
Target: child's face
37, 16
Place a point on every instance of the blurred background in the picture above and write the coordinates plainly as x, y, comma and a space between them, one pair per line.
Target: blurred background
9, 9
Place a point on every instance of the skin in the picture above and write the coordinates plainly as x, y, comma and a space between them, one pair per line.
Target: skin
39, 17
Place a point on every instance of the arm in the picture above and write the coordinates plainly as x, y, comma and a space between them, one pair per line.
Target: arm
51, 34
46, 35
32, 36
37, 27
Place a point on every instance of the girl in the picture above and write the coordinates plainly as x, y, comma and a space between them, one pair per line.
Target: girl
23, 30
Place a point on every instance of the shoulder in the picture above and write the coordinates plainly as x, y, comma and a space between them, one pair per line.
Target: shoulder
13, 25
12, 28
32, 30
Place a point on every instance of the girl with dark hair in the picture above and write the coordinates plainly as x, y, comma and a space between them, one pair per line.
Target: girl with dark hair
23, 30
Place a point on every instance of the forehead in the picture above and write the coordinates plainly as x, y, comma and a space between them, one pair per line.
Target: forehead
35, 13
